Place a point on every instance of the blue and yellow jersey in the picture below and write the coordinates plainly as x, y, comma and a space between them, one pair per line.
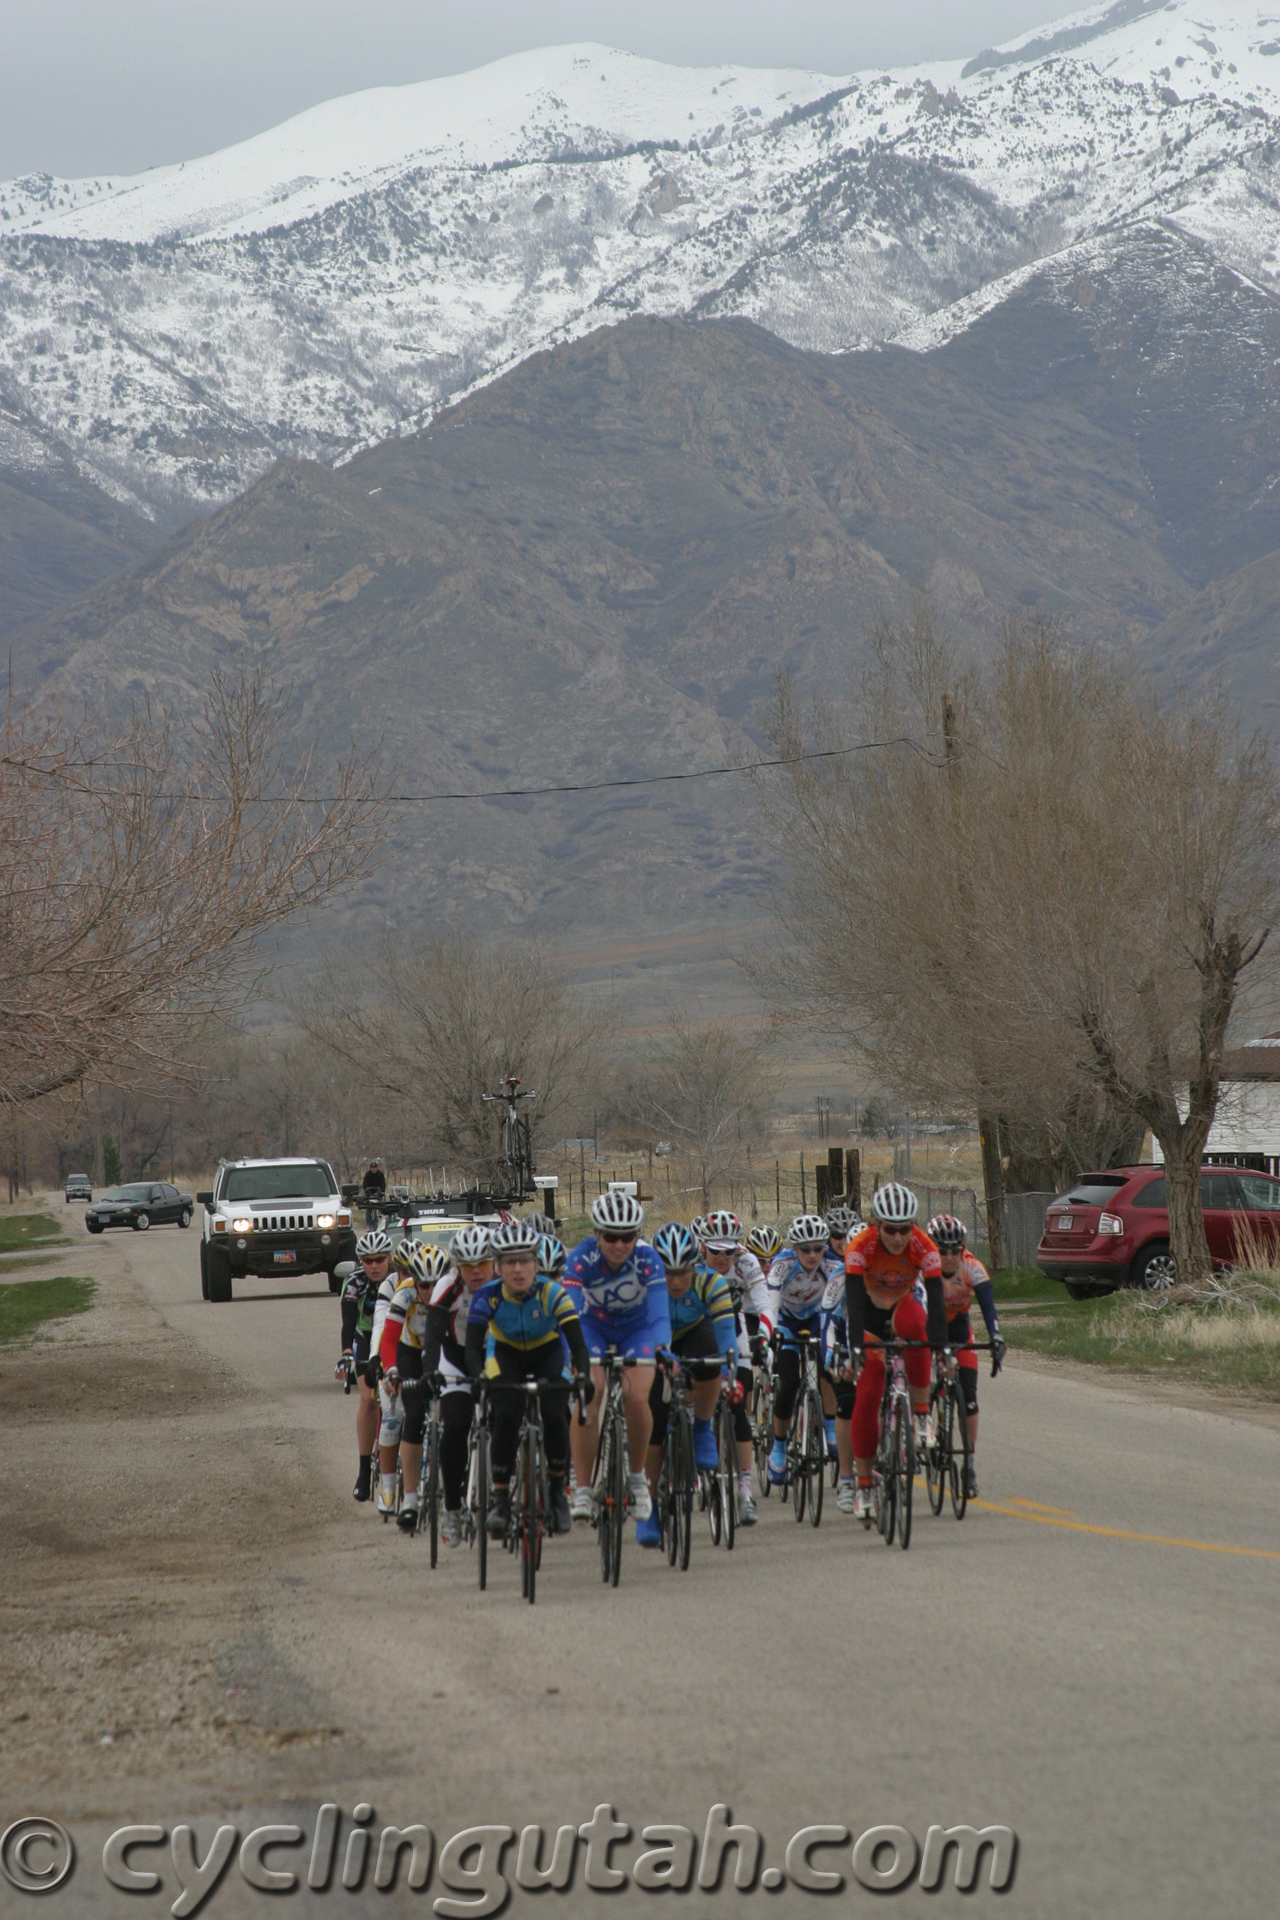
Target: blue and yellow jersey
707, 1298
533, 1320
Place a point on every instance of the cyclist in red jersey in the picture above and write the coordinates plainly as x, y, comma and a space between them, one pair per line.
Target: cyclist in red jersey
884, 1265
964, 1279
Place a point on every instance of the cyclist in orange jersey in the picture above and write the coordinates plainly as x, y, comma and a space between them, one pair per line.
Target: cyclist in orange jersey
884, 1266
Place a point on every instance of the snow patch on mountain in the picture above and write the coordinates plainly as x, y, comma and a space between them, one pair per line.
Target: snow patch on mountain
342, 277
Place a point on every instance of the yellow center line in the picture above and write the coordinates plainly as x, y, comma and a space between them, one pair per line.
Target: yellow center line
1120, 1533
1067, 1513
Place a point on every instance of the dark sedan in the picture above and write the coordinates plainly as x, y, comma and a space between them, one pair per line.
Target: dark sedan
150, 1203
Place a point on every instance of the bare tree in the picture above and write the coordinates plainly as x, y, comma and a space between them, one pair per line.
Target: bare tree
1037, 891
704, 1086
139, 867
436, 1024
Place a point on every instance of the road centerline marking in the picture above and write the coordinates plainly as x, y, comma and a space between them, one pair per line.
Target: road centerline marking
1122, 1533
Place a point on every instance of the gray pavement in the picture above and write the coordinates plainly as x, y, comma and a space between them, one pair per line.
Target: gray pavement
1091, 1660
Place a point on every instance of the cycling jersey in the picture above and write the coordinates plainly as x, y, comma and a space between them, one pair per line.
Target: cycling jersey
969, 1280
359, 1297
617, 1293
884, 1280
796, 1293
405, 1321
627, 1308
446, 1338
707, 1300
523, 1321
747, 1286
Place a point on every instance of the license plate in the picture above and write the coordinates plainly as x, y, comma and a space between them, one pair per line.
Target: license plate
1064, 1224
284, 1259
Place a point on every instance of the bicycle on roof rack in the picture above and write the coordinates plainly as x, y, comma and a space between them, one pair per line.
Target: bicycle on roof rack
516, 1153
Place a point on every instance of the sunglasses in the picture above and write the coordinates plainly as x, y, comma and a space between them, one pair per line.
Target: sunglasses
906, 1229
619, 1239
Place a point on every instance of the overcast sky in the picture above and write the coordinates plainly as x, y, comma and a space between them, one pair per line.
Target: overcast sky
113, 86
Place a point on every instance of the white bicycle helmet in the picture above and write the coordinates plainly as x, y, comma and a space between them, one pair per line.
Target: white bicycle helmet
894, 1205
515, 1239
699, 1229
617, 1213
470, 1245
947, 1233
427, 1264
808, 1230
842, 1221
376, 1241
724, 1231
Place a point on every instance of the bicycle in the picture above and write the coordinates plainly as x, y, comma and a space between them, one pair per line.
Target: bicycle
609, 1494
429, 1477
894, 1470
722, 1480
807, 1439
677, 1475
530, 1490
475, 1505
946, 1460
763, 1389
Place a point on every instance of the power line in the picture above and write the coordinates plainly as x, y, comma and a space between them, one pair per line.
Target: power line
510, 793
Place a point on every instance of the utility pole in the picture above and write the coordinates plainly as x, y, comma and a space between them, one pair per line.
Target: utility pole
988, 1117
173, 1178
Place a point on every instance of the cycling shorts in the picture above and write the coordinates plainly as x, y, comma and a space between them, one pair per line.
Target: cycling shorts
636, 1336
960, 1336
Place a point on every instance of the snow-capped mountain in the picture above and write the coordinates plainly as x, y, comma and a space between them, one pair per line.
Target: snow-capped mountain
340, 278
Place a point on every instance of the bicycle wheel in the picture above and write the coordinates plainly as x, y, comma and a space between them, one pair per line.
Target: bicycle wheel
935, 1457
762, 1433
709, 1494
682, 1495
618, 1504
530, 1518
668, 1515
798, 1459
728, 1473
431, 1499
959, 1455
482, 1504
904, 1471
886, 1478
600, 1487
817, 1459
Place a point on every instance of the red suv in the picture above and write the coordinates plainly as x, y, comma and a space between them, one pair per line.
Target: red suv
1112, 1229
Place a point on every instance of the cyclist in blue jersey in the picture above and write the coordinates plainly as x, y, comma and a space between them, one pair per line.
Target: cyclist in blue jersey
797, 1283
704, 1339
622, 1285
526, 1316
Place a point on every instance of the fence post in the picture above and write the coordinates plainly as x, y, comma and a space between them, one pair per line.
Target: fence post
853, 1178
804, 1201
821, 1186
777, 1187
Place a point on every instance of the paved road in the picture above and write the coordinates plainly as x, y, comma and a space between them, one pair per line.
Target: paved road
1092, 1659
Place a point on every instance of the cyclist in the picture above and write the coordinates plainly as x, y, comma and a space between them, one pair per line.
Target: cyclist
403, 1373
797, 1284
622, 1285
375, 1189
444, 1353
526, 1317
964, 1278
703, 1338
884, 1264
359, 1303
724, 1253
841, 1222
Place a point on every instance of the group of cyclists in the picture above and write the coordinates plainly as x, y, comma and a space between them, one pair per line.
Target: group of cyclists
510, 1304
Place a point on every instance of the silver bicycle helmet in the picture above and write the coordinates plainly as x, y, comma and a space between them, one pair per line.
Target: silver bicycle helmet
552, 1256
724, 1231
808, 1230
470, 1245
617, 1213
894, 1205
516, 1239
375, 1241
842, 1221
